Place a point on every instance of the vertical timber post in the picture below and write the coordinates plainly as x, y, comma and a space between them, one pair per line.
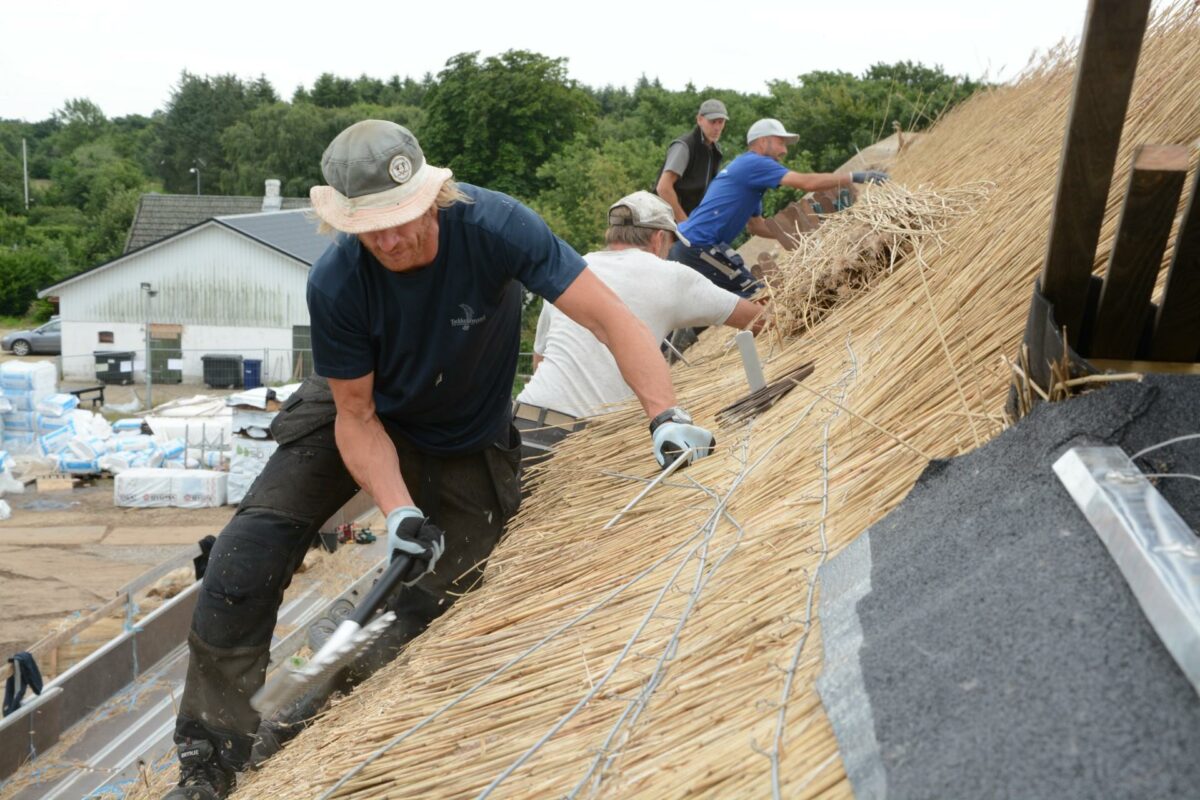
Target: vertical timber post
1177, 329
1142, 232
1108, 57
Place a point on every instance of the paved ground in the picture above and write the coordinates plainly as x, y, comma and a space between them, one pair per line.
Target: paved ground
65, 552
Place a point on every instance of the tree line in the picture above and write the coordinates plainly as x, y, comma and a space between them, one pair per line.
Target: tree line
514, 122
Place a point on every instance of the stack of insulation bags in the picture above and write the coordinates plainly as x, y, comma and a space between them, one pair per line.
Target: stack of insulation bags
38, 421
23, 385
155, 473
252, 442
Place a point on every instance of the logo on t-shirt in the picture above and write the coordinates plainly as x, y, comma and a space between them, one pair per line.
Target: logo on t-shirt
467, 319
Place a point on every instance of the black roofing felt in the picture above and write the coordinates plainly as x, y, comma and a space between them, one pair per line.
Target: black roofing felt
161, 215
290, 232
1002, 653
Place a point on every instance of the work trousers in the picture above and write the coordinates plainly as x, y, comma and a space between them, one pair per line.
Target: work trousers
719, 263
469, 496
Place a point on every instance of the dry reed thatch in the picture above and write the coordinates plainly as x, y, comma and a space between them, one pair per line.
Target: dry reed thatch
675, 654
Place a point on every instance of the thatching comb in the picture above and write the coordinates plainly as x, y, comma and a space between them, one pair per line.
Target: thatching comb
349, 640
762, 395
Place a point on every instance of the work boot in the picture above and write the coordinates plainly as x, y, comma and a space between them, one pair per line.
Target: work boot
201, 775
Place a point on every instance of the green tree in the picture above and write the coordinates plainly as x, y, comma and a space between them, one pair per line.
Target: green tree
330, 91
80, 121
27, 264
836, 112
494, 122
199, 110
583, 180
286, 142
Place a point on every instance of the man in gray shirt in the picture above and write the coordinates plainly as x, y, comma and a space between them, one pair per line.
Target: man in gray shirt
692, 161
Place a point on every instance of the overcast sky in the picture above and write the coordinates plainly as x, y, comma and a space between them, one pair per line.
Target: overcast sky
126, 55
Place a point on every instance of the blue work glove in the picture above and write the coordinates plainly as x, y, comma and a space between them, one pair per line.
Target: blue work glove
870, 176
674, 432
410, 534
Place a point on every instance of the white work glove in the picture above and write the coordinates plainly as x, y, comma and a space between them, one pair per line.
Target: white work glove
411, 534
674, 433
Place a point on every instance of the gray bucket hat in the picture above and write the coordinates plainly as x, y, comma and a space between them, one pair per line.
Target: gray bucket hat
647, 211
377, 178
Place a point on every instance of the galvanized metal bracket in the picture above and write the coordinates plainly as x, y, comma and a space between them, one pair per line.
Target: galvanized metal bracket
1156, 551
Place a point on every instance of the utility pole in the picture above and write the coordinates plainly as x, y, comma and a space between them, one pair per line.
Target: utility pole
25, 167
147, 294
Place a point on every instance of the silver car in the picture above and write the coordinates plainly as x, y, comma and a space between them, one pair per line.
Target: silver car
45, 339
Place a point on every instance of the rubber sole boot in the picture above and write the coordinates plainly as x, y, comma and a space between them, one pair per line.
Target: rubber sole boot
201, 775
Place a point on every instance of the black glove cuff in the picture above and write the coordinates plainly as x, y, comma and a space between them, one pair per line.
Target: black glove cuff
672, 414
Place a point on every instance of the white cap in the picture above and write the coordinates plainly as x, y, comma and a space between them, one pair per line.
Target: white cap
647, 211
770, 127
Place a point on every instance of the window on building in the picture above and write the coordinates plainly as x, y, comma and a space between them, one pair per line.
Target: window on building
106, 337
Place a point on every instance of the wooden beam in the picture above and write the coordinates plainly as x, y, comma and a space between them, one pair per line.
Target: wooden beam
791, 217
1142, 231
1108, 56
55, 640
779, 234
806, 209
1177, 329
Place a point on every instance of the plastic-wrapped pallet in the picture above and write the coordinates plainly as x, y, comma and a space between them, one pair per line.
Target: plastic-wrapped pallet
212, 459
20, 421
88, 423
19, 443
248, 459
199, 488
162, 488
130, 426
68, 462
55, 442
8, 481
57, 405
143, 488
29, 376
26, 399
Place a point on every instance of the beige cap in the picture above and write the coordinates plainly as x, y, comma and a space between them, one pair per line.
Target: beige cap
647, 211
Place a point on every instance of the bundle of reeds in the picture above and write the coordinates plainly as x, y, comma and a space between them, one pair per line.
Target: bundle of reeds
674, 654
855, 247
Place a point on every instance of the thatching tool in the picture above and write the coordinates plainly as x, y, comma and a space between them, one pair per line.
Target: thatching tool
349, 640
763, 395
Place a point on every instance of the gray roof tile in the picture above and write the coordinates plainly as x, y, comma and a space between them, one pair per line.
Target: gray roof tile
161, 215
290, 232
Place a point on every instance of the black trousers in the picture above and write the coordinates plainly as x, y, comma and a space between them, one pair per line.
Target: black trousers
470, 497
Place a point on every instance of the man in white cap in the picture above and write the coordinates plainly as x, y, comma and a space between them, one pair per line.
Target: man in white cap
734, 202
693, 160
416, 311
575, 375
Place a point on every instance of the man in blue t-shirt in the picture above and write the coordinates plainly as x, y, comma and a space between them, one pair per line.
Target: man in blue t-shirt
734, 201
416, 312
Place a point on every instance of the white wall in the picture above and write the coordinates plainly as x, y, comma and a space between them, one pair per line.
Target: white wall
208, 276
274, 345
230, 294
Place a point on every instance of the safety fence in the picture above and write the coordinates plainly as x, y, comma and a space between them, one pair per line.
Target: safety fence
241, 368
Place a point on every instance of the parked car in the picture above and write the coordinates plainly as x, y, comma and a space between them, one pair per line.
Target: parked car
45, 339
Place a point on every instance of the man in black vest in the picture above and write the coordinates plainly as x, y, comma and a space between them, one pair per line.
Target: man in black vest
692, 161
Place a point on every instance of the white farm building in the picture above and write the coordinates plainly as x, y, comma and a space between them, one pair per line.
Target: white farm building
229, 287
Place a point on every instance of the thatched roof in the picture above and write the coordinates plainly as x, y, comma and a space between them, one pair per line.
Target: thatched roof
675, 654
